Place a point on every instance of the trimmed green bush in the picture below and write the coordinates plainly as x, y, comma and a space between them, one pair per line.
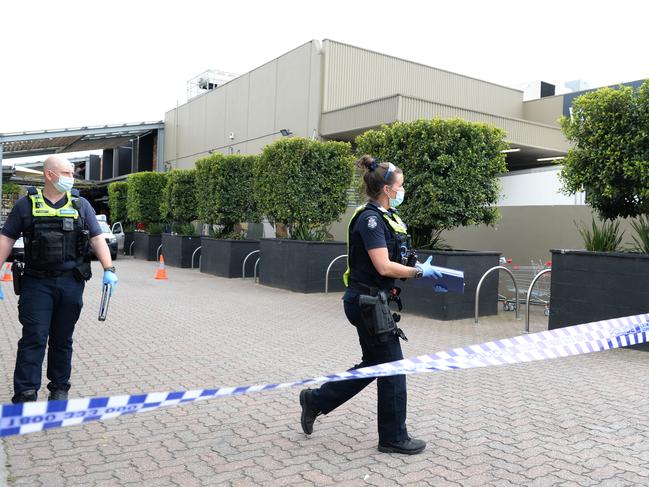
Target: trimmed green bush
303, 184
225, 191
144, 196
450, 169
117, 195
610, 158
179, 203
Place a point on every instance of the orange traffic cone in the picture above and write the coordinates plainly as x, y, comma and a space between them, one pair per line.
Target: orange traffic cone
161, 272
7, 276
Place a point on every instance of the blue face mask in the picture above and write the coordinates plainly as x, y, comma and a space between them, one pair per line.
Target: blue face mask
394, 202
64, 184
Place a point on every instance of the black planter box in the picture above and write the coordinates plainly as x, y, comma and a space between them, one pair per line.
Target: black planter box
146, 245
225, 257
178, 249
299, 265
420, 299
593, 286
129, 238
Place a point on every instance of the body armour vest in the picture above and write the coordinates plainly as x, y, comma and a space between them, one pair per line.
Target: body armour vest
56, 236
397, 244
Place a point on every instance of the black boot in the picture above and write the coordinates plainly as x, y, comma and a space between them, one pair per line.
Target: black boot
25, 396
409, 446
57, 394
309, 411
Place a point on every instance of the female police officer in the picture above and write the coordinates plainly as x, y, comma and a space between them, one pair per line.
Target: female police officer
377, 253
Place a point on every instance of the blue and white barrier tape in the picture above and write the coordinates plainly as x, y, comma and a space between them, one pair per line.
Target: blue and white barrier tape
20, 419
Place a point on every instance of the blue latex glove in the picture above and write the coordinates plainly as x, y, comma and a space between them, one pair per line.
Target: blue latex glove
2, 294
111, 279
428, 269
429, 272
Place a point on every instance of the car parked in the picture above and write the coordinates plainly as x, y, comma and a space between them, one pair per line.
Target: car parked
108, 235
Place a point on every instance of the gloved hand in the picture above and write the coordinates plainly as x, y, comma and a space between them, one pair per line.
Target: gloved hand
429, 272
111, 279
2, 294
428, 269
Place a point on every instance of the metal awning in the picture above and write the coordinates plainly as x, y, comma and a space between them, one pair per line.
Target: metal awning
35, 143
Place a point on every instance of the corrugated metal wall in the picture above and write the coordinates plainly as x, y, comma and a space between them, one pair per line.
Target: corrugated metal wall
354, 75
544, 110
518, 131
282, 94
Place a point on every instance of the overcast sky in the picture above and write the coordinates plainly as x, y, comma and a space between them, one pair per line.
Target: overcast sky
77, 63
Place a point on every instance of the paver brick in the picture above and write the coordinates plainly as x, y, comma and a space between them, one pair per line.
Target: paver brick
569, 421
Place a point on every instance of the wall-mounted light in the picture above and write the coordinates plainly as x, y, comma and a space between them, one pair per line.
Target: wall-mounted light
285, 132
507, 151
557, 158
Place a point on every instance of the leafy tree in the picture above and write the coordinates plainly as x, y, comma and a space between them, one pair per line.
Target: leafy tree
225, 191
610, 158
117, 195
450, 169
144, 196
303, 184
179, 202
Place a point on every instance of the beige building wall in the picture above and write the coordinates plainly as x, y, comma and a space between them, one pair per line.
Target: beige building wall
529, 232
248, 112
544, 110
354, 75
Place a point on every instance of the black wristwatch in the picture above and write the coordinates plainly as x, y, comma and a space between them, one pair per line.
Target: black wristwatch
111, 269
419, 274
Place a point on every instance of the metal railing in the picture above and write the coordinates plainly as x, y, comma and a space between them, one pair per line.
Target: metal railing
328, 269
254, 274
243, 267
477, 291
527, 300
199, 257
158, 252
130, 249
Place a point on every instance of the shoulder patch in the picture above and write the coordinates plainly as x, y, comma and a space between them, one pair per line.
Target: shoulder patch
372, 222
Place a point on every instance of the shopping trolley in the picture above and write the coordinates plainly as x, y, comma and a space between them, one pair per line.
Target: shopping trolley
524, 274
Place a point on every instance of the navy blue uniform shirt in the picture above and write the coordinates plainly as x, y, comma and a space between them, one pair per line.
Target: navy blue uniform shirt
370, 231
21, 218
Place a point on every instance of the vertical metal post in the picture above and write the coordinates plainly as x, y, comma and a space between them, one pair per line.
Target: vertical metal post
527, 300
161, 149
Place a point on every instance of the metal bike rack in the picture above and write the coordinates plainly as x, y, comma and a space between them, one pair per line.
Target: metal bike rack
199, 257
243, 267
527, 300
328, 269
477, 291
157, 252
254, 275
130, 249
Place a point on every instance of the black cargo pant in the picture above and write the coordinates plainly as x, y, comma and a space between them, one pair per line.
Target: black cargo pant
392, 395
48, 307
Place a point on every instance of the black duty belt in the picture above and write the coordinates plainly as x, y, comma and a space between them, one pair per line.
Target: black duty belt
41, 273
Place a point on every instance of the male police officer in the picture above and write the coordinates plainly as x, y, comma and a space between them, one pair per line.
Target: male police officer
57, 226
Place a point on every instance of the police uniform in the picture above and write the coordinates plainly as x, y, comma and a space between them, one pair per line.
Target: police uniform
57, 264
371, 227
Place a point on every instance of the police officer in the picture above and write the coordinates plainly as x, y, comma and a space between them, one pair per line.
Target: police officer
377, 240
58, 227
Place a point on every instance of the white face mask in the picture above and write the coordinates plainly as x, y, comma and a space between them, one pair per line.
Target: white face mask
64, 184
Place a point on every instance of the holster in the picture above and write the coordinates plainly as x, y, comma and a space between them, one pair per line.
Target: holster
83, 272
377, 317
18, 270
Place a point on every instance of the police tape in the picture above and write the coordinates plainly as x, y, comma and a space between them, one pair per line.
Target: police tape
20, 419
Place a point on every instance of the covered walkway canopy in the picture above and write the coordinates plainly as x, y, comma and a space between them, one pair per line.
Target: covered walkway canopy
45, 142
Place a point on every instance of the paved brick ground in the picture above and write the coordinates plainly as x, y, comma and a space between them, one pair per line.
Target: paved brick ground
575, 421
